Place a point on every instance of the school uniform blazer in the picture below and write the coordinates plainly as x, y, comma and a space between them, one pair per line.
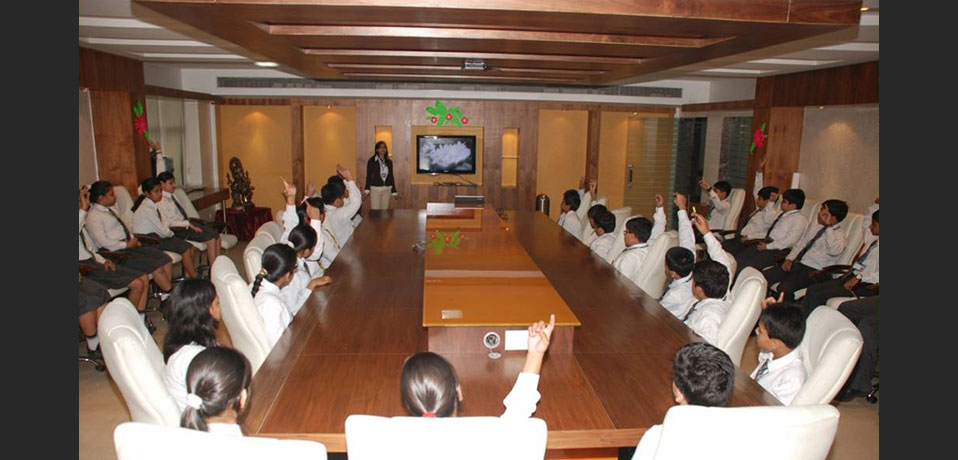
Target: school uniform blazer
271, 306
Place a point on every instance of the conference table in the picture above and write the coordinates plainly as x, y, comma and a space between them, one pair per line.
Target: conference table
343, 352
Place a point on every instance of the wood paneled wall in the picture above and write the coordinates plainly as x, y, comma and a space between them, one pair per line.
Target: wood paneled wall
108, 77
401, 114
780, 101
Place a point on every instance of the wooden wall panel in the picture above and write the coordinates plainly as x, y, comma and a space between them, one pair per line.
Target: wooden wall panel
784, 145
562, 153
109, 72
260, 137
614, 135
853, 84
113, 134
329, 136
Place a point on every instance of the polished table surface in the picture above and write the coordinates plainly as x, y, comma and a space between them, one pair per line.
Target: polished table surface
343, 352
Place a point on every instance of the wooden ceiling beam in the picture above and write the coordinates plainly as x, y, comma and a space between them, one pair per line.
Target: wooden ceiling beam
362, 75
340, 65
468, 55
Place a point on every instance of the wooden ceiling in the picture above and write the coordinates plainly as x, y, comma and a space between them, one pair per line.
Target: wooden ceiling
520, 41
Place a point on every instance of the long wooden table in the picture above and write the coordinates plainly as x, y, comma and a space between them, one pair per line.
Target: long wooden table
343, 352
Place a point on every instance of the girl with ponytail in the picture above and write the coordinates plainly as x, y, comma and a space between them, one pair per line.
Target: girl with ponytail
308, 275
218, 384
279, 266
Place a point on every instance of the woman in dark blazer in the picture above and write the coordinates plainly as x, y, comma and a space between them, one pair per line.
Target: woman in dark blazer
380, 184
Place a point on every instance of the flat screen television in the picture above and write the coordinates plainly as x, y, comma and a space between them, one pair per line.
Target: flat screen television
445, 154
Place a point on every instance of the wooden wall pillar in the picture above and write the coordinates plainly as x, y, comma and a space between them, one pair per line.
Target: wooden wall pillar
592, 149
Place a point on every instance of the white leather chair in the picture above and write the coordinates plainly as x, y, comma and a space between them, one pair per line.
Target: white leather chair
142, 441
852, 225
651, 276
227, 241
747, 295
369, 437
253, 254
836, 302
830, 350
741, 433
621, 215
618, 245
135, 364
124, 209
736, 199
810, 209
243, 321
273, 229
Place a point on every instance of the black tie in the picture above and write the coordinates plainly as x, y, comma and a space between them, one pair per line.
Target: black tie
306, 267
125, 231
691, 310
86, 244
865, 255
159, 215
750, 216
180, 208
773, 225
810, 243
762, 370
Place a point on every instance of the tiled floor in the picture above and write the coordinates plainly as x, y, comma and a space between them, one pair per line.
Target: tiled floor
102, 407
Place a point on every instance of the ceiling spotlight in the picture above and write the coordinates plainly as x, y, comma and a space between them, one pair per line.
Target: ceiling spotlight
865, 8
266, 64
821, 107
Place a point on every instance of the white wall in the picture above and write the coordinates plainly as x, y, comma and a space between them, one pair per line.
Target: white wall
162, 75
731, 89
839, 155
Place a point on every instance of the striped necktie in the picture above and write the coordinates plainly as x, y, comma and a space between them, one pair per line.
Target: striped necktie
180, 208
864, 256
126, 232
769, 233
810, 243
691, 310
763, 370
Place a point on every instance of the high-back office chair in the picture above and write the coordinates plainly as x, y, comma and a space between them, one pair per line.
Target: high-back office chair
243, 321
370, 437
618, 244
747, 295
135, 364
253, 254
736, 199
124, 209
830, 350
227, 241
810, 209
143, 441
852, 226
742, 433
273, 229
651, 277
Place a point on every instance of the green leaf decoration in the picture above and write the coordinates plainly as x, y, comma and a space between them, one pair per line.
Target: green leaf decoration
146, 134
441, 107
431, 111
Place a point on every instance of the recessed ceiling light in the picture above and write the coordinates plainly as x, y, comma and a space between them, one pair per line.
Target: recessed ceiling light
821, 107
865, 8
266, 64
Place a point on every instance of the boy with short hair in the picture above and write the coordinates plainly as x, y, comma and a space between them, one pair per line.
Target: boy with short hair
604, 226
569, 220
757, 223
709, 285
820, 246
785, 231
780, 330
637, 234
341, 206
718, 195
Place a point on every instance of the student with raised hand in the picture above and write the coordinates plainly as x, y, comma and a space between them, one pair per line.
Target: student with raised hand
718, 195
341, 205
637, 235
785, 231
757, 224
103, 271
586, 197
217, 382
712, 245
110, 234
308, 275
780, 330
589, 234
310, 212
709, 286
429, 386
174, 215
279, 266
820, 246
603, 223
147, 222
569, 220
194, 316
862, 280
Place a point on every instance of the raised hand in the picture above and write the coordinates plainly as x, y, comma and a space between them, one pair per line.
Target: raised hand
540, 334
680, 200
84, 198
581, 182
770, 300
310, 188
343, 172
701, 224
704, 185
289, 190
593, 187
659, 201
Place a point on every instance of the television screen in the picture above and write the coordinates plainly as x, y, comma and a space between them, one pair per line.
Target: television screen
446, 154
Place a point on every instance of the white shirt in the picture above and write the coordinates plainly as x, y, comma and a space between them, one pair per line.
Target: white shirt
761, 219
174, 373
521, 401
585, 202
787, 231
630, 260
331, 247
602, 245
785, 375
170, 213
679, 296
712, 244
290, 221
296, 293
146, 220
869, 266
86, 253
227, 429
707, 318
271, 306
720, 209
570, 222
339, 220
826, 249
107, 232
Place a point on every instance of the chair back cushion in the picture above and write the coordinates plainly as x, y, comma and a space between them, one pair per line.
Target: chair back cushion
742, 433
736, 199
135, 364
651, 275
184, 200
245, 325
142, 441
830, 350
370, 437
253, 254
124, 205
273, 229
742, 314
810, 208
853, 238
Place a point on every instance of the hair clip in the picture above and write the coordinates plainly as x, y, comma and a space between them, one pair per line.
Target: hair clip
263, 272
194, 401
429, 414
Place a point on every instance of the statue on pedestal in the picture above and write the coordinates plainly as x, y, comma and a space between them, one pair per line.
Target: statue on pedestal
240, 186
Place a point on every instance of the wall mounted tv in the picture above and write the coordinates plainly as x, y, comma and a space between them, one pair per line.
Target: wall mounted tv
445, 154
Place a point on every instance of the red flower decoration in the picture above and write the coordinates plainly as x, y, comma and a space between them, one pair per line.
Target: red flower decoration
139, 124
461, 236
465, 120
448, 240
433, 119
449, 116
758, 138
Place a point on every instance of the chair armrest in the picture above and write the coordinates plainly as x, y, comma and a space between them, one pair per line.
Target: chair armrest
725, 232
86, 269
218, 226
148, 239
872, 287
755, 241
115, 256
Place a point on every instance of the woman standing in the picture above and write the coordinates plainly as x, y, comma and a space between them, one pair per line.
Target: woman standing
380, 183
